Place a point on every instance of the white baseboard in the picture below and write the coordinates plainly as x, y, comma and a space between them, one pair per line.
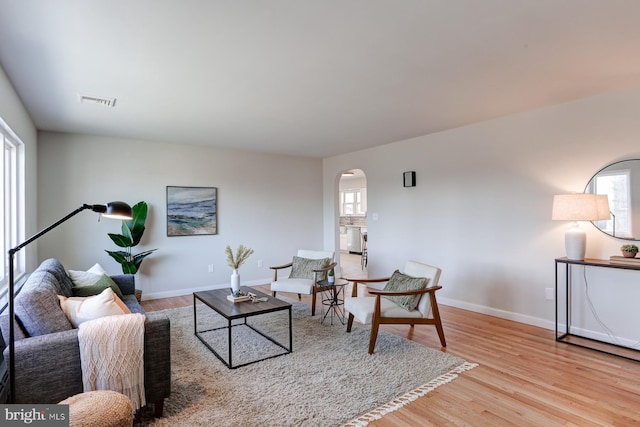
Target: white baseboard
503, 314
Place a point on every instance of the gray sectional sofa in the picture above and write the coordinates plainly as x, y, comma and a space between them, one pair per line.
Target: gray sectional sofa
47, 355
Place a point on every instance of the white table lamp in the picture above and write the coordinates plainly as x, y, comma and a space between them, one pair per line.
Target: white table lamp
578, 207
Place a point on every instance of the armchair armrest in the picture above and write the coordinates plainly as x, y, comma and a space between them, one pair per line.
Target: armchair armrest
282, 266
397, 293
354, 290
279, 267
326, 269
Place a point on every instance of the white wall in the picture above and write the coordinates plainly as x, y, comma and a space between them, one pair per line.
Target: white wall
16, 116
481, 209
270, 203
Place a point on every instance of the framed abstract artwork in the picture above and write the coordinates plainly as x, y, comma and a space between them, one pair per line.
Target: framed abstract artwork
192, 211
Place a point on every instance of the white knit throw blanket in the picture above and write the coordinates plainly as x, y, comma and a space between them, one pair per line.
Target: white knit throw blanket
112, 355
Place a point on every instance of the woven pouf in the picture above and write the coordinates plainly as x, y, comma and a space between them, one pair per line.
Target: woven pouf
101, 408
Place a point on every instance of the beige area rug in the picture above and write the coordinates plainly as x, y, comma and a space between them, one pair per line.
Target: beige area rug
328, 380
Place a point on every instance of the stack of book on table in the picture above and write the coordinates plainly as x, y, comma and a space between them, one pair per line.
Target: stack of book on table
617, 259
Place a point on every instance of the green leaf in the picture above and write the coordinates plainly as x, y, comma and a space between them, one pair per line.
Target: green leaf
137, 258
127, 235
129, 268
137, 236
119, 256
136, 224
120, 240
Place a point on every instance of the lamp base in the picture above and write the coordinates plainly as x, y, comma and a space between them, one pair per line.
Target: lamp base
575, 242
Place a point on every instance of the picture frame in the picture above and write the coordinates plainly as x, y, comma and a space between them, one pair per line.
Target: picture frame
192, 211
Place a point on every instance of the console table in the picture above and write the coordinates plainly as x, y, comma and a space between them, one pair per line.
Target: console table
574, 339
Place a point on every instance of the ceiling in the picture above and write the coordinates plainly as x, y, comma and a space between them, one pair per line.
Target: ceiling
308, 77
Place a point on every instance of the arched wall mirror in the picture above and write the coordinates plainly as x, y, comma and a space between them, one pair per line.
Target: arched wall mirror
620, 181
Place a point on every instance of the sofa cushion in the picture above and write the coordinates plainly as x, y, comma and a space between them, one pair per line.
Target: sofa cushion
63, 283
37, 307
82, 309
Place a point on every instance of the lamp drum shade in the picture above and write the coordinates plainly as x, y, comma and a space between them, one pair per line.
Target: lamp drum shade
580, 207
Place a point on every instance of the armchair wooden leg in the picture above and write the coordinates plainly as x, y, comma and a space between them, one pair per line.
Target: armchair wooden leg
313, 303
349, 322
375, 325
440, 331
273, 294
438, 321
299, 297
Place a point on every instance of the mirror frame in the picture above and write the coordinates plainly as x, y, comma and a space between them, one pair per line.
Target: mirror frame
589, 184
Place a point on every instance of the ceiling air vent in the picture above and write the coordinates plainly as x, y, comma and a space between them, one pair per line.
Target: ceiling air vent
107, 102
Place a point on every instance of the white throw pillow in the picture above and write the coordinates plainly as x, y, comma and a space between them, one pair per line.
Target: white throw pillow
81, 309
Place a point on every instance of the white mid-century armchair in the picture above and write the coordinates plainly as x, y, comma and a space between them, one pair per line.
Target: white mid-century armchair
377, 310
304, 274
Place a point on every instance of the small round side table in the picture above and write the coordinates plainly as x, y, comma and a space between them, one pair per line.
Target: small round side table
333, 299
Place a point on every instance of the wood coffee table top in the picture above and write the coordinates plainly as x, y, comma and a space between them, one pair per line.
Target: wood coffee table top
217, 300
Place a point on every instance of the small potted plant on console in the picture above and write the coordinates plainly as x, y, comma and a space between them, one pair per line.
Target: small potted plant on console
629, 251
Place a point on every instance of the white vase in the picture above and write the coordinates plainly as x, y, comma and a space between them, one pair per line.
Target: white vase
235, 282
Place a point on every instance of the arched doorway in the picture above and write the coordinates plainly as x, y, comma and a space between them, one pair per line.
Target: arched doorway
352, 220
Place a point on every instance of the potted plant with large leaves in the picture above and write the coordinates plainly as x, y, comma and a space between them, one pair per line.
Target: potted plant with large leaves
132, 231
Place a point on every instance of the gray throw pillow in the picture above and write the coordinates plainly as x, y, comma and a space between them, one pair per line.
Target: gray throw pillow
402, 282
302, 268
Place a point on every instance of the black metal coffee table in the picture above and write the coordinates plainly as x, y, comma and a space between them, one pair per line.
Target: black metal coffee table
217, 300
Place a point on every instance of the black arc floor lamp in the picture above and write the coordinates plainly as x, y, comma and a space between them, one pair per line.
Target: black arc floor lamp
115, 210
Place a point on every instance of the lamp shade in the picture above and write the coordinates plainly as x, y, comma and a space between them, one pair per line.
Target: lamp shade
118, 210
603, 207
580, 207
114, 210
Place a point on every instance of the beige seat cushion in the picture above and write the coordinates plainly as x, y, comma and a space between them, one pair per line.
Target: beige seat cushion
297, 286
362, 309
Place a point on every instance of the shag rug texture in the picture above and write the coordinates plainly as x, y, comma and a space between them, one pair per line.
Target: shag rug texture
328, 380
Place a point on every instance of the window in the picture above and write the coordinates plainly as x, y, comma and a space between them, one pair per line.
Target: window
616, 185
351, 202
11, 217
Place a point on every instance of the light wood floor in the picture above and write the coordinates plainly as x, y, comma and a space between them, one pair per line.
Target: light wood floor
525, 378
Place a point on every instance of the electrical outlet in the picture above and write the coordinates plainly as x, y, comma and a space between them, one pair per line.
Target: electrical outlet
548, 292
259, 263
210, 268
